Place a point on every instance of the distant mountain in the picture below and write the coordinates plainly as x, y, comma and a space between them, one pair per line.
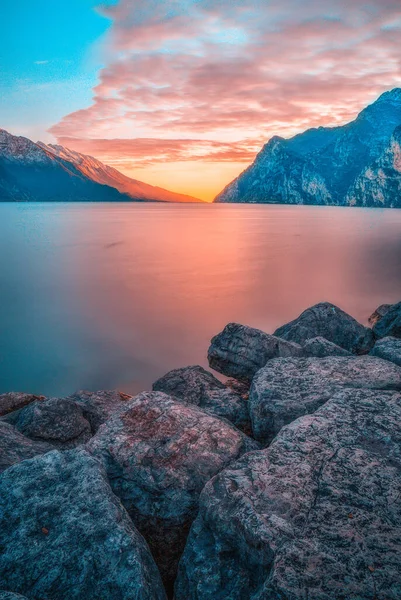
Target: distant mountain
358, 164
37, 172
101, 173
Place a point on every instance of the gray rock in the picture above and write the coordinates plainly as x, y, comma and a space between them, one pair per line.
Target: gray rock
329, 321
59, 421
199, 387
64, 535
379, 313
15, 447
11, 596
99, 406
388, 348
316, 515
286, 389
390, 323
158, 454
320, 348
240, 351
16, 400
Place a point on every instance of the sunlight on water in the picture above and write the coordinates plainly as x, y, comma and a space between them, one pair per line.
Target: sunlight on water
101, 296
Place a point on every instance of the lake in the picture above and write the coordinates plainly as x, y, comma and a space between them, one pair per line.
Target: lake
101, 296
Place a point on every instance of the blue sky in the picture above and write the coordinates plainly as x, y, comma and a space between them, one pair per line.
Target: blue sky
50, 56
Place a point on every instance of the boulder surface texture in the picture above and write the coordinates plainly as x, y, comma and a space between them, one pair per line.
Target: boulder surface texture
388, 348
197, 386
287, 388
158, 454
15, 447
65, 536
316, 515
390, 323
330, 322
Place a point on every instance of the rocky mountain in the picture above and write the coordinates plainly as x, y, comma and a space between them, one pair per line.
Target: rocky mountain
101, 173
38, 172
358, 164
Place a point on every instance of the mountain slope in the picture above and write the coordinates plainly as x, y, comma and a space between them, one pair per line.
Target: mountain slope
329, 166
101, 173
28, 172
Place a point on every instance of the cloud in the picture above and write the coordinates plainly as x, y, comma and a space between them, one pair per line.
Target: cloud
206, 80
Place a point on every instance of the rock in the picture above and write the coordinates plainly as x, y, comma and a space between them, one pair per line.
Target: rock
388, 348
316, 515
320, 348
197, 386
158, 454
240, 351
59, 421
286, 389
65, 535
99, 406
379, 313
15, 447
390, 323
330, 322
11, 596
15, 400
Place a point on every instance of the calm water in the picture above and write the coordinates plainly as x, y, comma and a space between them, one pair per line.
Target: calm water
101, 296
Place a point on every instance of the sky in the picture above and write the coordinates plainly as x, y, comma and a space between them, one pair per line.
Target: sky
184, 93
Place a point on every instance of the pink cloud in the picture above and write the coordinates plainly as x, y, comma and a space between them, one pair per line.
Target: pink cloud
187, 80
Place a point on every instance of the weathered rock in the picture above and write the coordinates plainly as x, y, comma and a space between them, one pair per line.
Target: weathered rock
11, 596
388, 348
320, 348
59, 421
316, 515
15, 447
328, 321
199, 387
64, 534
15, 400
390, 323
99, 406
158, 454
240, 351
286, 389
379, 313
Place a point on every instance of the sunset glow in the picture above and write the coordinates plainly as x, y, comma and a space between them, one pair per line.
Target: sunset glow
187, 92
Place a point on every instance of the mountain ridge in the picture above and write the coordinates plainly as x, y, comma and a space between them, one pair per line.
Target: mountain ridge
322, 165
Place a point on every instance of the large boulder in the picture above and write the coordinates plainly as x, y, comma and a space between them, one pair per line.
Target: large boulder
388, 348
390, 323
15, 400
15, 447
240, 351
328, 321
286, 389
64, 534
98, 407
320, 348
197, 386
58, 421
379, 314
316, 515
158, 454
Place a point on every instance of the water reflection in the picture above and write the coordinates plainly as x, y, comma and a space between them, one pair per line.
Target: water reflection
115, 295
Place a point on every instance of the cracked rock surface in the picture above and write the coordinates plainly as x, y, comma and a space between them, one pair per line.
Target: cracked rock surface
15, 447
388, 348
158, 454
316, 515
64, 535
14, 401
286, 389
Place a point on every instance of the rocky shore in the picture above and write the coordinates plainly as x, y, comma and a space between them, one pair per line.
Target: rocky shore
284, 482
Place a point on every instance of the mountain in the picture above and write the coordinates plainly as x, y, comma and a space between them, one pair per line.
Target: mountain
29, 172
357, 164
38, 172
101, 173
